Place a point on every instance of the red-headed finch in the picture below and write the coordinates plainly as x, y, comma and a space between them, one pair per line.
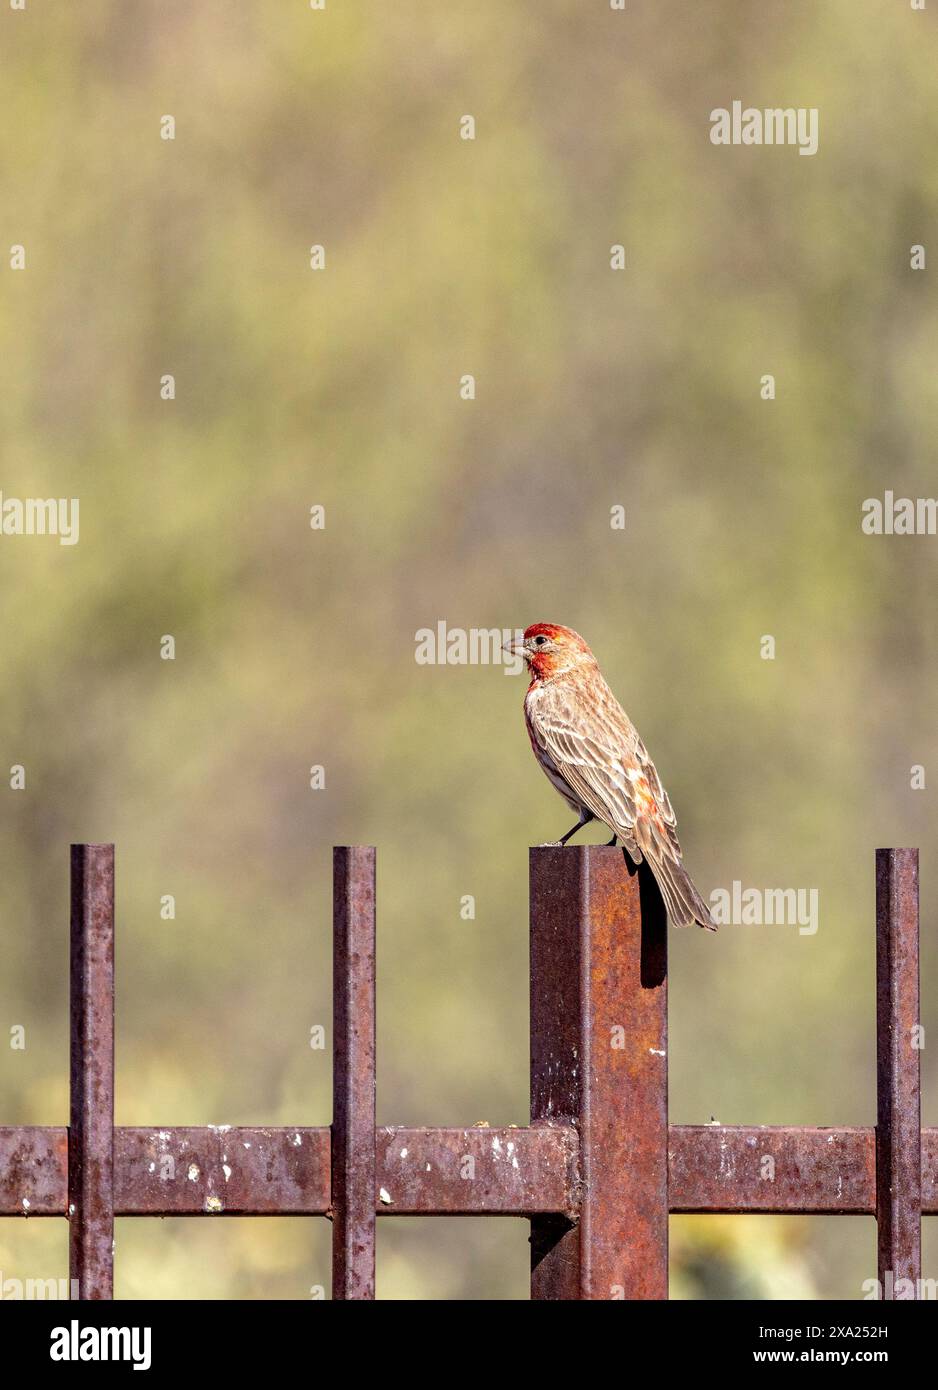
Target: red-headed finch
591, 751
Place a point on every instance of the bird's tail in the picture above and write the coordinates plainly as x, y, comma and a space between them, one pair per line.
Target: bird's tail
685, 905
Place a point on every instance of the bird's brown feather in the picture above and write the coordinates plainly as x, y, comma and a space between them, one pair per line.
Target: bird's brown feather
581, 733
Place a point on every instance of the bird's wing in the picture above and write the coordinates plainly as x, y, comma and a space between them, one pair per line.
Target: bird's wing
598, 753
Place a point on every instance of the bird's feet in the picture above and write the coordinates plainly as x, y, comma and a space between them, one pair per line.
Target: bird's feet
550, 844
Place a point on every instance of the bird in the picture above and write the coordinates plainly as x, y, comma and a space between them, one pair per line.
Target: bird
592, 754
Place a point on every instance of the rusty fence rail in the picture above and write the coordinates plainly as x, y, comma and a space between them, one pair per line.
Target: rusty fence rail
596, 1172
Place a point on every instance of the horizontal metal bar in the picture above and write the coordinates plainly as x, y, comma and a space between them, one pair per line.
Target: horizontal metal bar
478, 1171
220, 1170
266, 1172
713, 1168
722, 1168
33, 1171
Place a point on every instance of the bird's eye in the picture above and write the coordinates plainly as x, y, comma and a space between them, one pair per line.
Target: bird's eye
540, 639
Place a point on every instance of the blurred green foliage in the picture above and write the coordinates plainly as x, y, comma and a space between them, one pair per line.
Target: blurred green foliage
296, 647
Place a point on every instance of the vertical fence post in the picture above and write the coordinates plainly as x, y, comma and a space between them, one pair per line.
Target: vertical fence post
353, 1084
91, 1120
599, 1060
898, 1105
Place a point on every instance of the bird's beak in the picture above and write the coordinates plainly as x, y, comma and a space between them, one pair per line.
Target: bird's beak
515, 647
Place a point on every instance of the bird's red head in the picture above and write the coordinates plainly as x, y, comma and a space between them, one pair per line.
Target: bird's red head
550, 649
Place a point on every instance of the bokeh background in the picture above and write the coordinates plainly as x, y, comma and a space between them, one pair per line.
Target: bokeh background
294, 647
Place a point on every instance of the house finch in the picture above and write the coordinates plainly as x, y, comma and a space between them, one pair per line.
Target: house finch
591, 751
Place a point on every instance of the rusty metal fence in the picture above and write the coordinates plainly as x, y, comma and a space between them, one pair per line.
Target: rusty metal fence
596, 1172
